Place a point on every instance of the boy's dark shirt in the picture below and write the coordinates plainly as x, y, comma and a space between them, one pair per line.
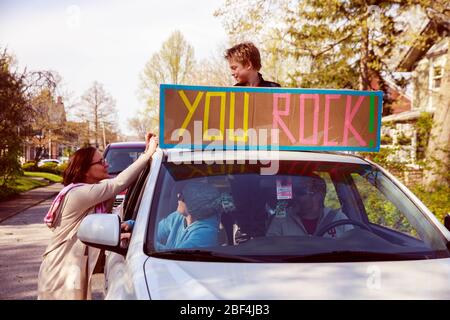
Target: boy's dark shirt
262, 83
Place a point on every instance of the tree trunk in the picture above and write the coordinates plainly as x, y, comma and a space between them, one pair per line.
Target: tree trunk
96, 127
364, 73
438, 149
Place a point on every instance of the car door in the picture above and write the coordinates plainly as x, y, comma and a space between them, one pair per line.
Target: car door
127, 210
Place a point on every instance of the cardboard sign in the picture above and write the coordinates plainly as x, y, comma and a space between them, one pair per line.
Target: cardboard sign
283, 118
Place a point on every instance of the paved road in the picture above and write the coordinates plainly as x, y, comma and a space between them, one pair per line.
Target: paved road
23, 239
27, 200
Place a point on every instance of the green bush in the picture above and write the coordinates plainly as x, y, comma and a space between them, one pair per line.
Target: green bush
9, 165
62, 167
437, 201
382, 158
423, 126
49, 167
29, 166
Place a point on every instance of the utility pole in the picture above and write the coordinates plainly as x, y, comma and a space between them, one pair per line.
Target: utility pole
88, 133
104, 136
50, 155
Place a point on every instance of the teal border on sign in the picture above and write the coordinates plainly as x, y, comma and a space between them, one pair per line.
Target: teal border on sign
162, 104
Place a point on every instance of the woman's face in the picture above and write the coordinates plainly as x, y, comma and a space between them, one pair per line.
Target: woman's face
98, 169
182, 209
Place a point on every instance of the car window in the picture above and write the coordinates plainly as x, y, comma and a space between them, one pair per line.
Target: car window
331, 198
134, 195
308, 210
120, 158
380, 210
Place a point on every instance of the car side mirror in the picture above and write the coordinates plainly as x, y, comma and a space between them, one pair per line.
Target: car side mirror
447, 222
101, 231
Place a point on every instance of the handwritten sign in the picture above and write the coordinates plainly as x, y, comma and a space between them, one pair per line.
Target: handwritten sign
301, 119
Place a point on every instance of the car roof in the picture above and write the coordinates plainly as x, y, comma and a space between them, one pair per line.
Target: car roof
186, 155
129, 144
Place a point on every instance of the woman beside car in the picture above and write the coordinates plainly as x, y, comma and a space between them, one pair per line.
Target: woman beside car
68, 264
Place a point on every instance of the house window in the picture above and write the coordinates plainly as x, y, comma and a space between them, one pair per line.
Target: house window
437, 77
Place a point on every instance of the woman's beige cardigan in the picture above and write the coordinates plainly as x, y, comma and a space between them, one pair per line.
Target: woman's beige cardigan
67, 265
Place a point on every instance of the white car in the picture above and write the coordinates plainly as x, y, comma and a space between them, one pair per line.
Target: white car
44, 161
385, 244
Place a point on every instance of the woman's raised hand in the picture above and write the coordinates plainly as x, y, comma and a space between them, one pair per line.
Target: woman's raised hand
151, 142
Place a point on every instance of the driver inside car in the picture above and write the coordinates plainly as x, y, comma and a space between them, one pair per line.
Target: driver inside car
195, 223
305, 213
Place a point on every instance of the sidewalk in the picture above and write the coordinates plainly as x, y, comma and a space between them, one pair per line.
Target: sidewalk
27, 199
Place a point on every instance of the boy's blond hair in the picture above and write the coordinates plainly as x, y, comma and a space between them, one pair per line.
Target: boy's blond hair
245, 53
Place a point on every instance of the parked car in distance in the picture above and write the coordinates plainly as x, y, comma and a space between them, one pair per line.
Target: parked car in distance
385, 245
44, 161
119, 156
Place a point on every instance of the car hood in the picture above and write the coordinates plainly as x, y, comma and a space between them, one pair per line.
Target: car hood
424, 279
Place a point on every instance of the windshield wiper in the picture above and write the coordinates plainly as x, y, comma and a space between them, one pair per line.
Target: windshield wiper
200, 255
356, 256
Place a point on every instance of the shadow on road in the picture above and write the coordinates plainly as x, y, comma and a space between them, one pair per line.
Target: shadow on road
19, 267
23, 239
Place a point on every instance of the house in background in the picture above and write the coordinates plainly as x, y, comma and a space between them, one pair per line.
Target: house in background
425, 61
46, 139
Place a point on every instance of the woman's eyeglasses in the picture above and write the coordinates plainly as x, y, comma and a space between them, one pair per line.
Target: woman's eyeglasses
101, 161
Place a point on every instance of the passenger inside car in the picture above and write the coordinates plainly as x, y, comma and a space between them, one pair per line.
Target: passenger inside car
195, 223
305, 213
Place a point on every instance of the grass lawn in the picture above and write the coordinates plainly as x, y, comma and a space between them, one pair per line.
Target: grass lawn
21, 184
49, 176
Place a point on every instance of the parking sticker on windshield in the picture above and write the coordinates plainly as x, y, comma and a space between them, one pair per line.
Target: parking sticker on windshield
284, 189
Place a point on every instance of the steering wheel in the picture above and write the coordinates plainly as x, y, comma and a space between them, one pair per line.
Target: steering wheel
333, 224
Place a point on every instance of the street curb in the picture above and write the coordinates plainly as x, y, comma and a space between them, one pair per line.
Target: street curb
27, 207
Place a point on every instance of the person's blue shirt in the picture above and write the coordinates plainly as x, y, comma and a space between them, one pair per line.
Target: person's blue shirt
173, 232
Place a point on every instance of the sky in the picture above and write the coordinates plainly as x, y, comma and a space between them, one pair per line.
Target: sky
105, 41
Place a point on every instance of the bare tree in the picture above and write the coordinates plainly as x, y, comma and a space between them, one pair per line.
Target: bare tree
48, 123
144, 122
213, 71
173, 63
98, 108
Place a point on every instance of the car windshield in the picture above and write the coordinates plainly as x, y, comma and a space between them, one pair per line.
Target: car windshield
119, 159
309, 211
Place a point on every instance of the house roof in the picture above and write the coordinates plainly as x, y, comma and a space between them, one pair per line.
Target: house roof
416, 52
440, 24
404, 116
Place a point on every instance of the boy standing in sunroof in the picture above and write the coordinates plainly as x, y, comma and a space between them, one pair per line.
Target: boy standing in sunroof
245, 62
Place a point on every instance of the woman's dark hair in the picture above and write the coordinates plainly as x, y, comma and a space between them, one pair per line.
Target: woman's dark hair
79, 164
